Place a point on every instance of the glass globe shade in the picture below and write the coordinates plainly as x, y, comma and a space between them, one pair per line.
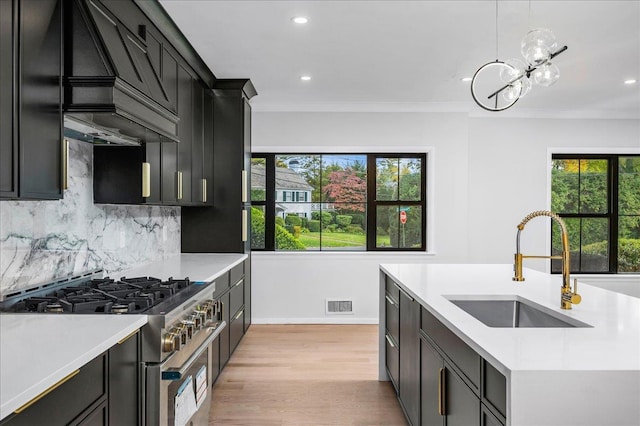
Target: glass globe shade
514, 69
546, 75
526, 86
512, 93
538, 45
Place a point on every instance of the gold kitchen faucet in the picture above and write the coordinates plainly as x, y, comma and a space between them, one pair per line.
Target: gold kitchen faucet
568, 297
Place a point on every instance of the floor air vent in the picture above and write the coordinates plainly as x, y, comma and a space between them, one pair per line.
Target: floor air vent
339, 306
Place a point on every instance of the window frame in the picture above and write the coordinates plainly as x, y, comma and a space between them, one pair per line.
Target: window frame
612, 213
371, 204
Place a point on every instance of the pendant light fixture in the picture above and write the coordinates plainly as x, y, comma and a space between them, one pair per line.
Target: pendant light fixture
498, 85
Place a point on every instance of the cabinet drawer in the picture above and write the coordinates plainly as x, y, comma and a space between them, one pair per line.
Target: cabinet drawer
222, 284
494, 393
236, 273
462, 356
236, 329
393, 361
392, 317
68, 401
236, 299
392, 288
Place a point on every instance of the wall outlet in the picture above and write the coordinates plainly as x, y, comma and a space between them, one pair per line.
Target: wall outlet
122, 239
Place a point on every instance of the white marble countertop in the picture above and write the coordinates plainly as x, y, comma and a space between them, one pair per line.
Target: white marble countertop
38, 350
555, 376
203, 267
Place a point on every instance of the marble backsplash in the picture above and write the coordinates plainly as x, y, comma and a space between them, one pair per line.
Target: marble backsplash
42, 241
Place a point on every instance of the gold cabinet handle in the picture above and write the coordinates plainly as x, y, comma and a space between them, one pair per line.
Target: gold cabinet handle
124, 339
179, 185
47, 391
245, 192
146, 180
204, 190
390, 300
442, 379
245, 226
65, 164
238, 283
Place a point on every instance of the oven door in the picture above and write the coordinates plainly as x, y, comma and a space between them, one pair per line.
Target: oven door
178, 391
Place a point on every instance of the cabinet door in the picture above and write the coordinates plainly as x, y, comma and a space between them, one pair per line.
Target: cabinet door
185, 134
40, 99
214, 351
431, 364
8, 147
410, 357
169, 168
462, 406
123, 382
197, 147
224, 335
207, 148
236, 330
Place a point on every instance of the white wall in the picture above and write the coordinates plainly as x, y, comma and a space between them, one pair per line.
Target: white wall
488, 173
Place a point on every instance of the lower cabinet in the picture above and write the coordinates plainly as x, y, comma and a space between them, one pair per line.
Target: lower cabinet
445, 399
234, 311
439, 379
409, 381
102, 392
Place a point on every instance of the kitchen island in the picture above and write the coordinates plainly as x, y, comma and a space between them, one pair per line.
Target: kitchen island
587, 375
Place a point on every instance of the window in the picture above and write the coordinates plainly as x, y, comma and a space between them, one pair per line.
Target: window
338, 202
598, 196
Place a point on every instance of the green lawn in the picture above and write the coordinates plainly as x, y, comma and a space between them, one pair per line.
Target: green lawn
311, 240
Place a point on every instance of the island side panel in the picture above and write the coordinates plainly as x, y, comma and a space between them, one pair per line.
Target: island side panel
574, 398
382, 353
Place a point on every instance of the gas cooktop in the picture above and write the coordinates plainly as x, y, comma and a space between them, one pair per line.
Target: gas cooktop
105, 295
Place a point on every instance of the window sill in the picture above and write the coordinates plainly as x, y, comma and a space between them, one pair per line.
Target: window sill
261, 253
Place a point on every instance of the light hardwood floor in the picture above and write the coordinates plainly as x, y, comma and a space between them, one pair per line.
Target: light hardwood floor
305, 375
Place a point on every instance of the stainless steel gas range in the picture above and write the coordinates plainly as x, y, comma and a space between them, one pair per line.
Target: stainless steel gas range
176, 343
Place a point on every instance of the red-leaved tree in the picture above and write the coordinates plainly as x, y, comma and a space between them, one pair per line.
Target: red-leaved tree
346, 188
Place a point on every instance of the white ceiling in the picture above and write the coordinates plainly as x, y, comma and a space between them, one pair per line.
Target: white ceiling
410, 55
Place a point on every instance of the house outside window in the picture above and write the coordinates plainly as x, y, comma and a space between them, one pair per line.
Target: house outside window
598, 197
343, 202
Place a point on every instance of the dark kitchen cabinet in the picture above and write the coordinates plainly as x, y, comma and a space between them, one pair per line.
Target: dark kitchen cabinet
440, 380
70, 401
104, 391
129, 174
225, 352
185, 134
445, 398
409, 379
224, 228
31, 99
124, 382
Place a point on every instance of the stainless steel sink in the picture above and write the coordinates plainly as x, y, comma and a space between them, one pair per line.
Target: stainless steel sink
512, 311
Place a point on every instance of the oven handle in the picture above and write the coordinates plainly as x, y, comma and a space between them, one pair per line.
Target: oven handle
178, 373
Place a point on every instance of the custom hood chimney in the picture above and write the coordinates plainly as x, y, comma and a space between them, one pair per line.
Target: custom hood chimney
112, 91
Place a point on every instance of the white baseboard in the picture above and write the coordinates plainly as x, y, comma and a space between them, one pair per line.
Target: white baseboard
340, 320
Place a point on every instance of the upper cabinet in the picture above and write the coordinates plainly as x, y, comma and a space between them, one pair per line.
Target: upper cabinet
184, 168
31, 145
225, 228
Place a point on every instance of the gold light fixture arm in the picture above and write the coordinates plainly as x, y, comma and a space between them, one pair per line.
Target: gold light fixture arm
567, 295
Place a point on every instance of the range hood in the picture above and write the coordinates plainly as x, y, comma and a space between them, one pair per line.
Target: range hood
112, 91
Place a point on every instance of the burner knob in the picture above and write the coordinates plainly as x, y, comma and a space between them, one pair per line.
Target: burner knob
199, 317
204, 312
181, 336
169, 342
189, 326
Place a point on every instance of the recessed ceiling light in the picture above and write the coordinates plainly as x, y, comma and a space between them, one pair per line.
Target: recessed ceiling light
466, 79
630, 81
300, 19
305, 77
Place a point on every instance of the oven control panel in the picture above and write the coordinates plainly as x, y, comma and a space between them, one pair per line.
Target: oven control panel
200, 317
